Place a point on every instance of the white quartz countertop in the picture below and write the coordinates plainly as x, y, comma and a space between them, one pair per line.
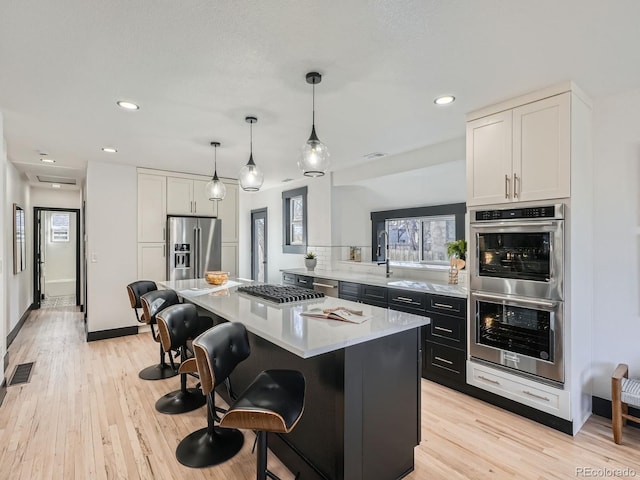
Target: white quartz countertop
404, 284
282, 324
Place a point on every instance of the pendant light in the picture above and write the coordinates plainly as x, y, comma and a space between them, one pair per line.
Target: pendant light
251, 177
314, 161
215, 189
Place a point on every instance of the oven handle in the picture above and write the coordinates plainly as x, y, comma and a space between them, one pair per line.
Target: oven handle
526, 301
508, 224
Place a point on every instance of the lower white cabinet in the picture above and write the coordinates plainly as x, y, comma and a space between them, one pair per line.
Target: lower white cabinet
152, 261
230, 258
546, 398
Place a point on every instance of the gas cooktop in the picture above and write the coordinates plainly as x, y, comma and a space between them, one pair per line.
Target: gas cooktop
280, 293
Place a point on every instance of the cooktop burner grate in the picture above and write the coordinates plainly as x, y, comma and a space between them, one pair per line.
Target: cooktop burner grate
281, 293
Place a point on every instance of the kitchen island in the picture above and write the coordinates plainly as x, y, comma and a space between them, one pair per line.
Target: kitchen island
362, 408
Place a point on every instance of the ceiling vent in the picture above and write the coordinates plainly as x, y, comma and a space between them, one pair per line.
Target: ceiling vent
52, 179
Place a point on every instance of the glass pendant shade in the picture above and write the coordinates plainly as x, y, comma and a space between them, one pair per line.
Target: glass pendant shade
251, 177
215, 189
314, 160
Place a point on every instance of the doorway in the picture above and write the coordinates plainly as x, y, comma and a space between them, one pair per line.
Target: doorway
259, 245
56, 251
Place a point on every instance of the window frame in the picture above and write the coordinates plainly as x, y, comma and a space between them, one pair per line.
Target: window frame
287, 247
378, 220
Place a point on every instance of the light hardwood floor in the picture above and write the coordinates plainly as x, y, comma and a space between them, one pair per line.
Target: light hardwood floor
85, 414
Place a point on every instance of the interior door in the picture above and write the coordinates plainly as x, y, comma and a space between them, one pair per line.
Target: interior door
38, 260
259, 245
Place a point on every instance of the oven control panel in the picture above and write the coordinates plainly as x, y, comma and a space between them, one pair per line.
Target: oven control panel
546, 211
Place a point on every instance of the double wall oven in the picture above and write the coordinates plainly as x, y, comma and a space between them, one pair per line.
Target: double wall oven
516, 283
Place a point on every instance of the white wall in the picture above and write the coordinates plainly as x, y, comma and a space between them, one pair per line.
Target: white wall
318, 224
19, 295
56, 198
111, 229
616, 261
3, 257
352, 205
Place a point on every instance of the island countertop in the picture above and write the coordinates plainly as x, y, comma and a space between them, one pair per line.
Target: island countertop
283, 324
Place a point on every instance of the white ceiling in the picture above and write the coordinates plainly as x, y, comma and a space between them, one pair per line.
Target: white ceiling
198, 67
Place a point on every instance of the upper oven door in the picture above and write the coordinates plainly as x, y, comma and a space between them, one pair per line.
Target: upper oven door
523, 257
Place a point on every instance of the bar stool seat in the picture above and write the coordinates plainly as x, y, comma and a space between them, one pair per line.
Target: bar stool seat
217, 353
177, 324
136, 291
274, 402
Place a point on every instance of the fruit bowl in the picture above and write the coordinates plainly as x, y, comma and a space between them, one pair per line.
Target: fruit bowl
216, 278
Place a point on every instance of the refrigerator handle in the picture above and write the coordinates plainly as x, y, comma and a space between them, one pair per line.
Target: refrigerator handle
194, 252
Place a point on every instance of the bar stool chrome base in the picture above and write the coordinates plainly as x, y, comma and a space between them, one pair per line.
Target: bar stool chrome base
201, 449
180, 401
158, 372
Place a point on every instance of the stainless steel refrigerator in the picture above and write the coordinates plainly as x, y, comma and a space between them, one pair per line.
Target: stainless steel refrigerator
194, 246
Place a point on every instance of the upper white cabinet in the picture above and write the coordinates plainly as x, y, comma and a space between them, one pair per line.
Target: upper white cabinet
152, 212
520, 154
228, 213
186, 196
162, 193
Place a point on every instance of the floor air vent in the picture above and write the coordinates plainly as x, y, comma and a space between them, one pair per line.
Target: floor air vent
21, 374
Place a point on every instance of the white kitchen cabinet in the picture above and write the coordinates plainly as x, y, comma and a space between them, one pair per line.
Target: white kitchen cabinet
186, 196
556, 401
228, 213
520, 154
152, 213
230, 259
152, 261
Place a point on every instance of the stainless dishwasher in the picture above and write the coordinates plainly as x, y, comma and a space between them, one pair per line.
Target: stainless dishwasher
328, 287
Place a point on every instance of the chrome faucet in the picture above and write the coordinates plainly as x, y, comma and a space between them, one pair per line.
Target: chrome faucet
386, 256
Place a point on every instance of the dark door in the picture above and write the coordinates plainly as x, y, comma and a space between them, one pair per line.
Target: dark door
259, 245
57, 232
37, 249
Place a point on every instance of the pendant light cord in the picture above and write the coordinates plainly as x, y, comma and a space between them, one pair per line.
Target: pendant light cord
313, 104
251, 138
215, 159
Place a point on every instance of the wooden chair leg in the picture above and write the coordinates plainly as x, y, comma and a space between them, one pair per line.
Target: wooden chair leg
617, 407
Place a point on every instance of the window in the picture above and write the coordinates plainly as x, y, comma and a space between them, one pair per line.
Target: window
60, 227
417, 235
294, 220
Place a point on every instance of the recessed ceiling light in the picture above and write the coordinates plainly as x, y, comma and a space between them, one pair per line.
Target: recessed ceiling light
109, 150
47, 160
287, 180
127, 105
55, 185
444, 100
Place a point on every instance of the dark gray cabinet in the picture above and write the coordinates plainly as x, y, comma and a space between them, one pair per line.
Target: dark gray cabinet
297, 280
445, 341
359, 292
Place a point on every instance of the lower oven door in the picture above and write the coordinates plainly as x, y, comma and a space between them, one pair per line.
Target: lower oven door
521, 334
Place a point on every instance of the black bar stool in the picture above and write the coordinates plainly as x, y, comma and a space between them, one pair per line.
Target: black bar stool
135, 291
217, 351
274, 402
152, 303
176, 325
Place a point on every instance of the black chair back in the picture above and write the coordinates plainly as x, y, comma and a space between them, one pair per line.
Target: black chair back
139, 288
218, 351
177, 324
156, 301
